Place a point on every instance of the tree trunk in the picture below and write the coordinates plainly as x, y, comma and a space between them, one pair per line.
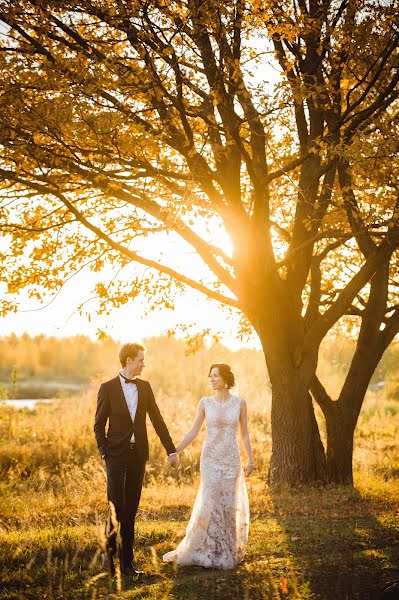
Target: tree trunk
342, 415
298, 455
340, 431
297, 451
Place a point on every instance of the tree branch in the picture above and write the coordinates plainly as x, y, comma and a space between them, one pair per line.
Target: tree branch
134, 256
324, 323
321, 396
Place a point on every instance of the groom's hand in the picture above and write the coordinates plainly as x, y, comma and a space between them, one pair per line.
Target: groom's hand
173, 460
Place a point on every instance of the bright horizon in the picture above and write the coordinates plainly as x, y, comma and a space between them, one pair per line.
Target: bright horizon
59, 315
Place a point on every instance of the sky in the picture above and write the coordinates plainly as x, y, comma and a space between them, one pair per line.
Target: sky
60, 316
129, 323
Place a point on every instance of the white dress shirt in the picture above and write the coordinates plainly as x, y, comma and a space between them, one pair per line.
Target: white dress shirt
131, 396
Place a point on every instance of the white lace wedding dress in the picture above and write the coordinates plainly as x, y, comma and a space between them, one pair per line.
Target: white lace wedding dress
217, 532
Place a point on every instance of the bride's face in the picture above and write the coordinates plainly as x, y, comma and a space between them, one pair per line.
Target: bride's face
217, 382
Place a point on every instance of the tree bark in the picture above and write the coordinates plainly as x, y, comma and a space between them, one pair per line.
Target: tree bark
340, 431
298, 455
297, 451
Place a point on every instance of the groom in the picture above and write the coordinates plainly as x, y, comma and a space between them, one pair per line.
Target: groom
124, 402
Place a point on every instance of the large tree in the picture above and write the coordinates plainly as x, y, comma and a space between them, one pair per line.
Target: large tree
275, 121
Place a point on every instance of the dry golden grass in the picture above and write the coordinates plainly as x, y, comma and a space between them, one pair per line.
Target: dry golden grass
320, 543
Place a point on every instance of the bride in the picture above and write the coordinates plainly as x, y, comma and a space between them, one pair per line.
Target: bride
217, 532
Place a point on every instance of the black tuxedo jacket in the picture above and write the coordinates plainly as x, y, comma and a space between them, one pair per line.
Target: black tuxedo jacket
112, 407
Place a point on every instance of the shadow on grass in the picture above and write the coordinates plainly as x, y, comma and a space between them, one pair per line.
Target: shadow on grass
48, 564
338, 544
261, 576
324, 544
255, 581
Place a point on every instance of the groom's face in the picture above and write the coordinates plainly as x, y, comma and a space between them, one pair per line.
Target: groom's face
135, 365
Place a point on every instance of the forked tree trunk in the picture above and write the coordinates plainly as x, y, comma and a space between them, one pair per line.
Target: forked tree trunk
297, 451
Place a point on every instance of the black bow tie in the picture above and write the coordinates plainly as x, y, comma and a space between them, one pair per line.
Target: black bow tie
128, 380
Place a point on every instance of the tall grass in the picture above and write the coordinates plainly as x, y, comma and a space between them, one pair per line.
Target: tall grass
52, 505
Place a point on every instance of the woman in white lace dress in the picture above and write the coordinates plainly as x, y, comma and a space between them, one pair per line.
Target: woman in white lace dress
217, 532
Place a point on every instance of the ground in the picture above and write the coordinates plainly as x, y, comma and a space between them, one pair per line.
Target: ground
319, 543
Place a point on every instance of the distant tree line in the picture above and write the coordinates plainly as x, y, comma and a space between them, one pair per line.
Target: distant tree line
39, 366
74, 358
42, 365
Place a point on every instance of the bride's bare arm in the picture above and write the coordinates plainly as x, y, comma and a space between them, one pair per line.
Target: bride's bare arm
195, 428
245, 438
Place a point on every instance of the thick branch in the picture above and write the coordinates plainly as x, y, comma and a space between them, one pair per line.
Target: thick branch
321, 396
324, 323
134, 256
364, 240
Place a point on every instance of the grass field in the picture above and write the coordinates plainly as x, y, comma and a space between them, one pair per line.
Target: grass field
321, 543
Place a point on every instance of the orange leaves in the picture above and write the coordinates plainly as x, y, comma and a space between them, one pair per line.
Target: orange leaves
167, 51
101, 290
37, 138
113, 187
101, 335
346, 84
284, 585
136, 118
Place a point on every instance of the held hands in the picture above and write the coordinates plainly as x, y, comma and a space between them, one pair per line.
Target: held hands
248, 469
173, 460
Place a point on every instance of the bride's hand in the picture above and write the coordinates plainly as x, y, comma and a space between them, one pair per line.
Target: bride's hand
248, 469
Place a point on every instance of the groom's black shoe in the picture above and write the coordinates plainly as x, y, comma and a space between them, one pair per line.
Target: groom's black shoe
130, 571
107, 563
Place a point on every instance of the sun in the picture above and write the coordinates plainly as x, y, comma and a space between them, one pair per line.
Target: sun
192, 313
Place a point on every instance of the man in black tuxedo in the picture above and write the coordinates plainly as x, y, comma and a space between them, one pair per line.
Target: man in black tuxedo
124, 402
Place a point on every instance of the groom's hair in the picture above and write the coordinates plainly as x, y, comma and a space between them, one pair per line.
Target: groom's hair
131, 350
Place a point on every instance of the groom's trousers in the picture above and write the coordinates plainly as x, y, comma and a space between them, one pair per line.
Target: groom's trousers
124, 483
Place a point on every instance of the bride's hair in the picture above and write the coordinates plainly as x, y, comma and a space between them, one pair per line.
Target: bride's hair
225, 372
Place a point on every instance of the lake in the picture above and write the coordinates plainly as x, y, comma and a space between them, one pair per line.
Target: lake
25, 403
